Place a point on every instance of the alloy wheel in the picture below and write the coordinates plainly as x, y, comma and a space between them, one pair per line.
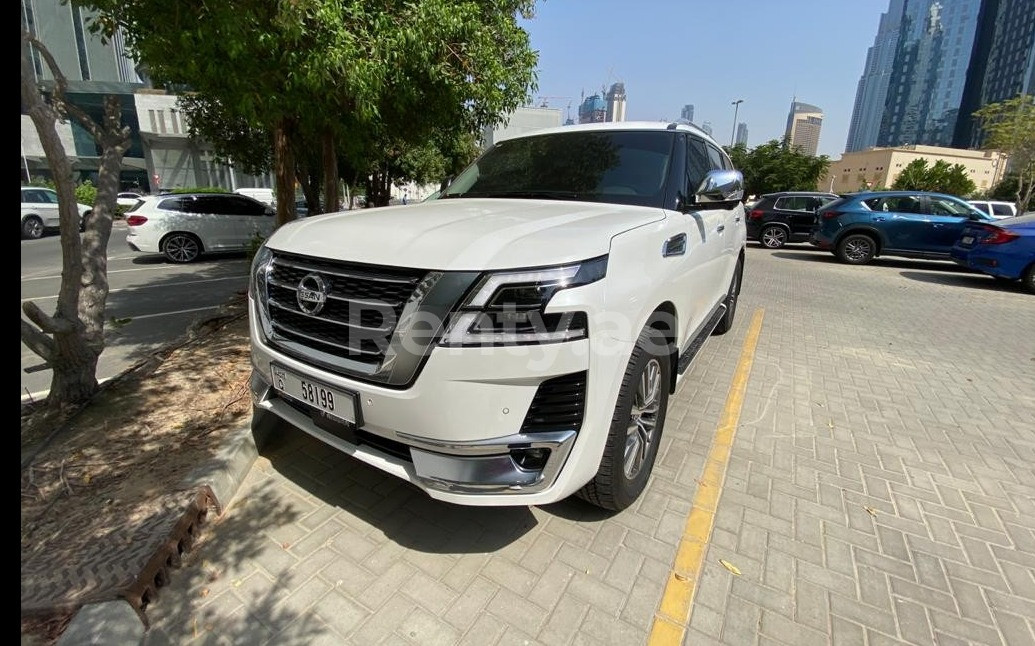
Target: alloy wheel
774, 237
643, 419
181, 248
858, 249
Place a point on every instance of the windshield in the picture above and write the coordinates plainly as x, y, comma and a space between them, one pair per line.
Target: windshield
623, 167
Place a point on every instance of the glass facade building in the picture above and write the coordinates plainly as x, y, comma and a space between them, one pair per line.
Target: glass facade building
873, 85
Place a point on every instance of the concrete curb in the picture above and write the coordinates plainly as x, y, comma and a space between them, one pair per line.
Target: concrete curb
117, 622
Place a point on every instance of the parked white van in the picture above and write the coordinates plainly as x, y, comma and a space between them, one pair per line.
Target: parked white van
261, 194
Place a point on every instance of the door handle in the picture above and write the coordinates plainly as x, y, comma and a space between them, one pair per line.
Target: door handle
938, 226
721, 228
736, 219
879, 218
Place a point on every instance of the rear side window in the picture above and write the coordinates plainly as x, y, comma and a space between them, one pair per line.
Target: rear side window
1001, 209
795, 203
172, 204
895, 204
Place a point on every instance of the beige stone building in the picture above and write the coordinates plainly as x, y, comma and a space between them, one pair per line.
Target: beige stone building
878, 167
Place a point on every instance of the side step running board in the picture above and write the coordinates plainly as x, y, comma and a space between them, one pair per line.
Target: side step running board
686, 357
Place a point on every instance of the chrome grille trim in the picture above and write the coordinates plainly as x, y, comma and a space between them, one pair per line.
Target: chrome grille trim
314, 339
278, 304
344, 299
357, 275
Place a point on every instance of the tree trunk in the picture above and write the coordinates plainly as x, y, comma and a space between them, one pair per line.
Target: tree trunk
331, 197
70, 356
284, 170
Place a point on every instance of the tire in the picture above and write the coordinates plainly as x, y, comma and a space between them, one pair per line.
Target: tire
181, 247
856, 249
636, 426
732, 296
32, 228
1028, 279
773, 236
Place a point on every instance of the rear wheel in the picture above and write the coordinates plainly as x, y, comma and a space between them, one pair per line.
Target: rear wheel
636, 426
32, 228
857, 249
181, 247
773, 236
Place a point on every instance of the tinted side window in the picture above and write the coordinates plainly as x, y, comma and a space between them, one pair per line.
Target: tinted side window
794, 203
1001, 209
217, 204
244, 206
31, 197
896, 204
172, 204
945, 206
697, 163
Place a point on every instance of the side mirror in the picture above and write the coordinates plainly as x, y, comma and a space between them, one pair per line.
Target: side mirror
720, 186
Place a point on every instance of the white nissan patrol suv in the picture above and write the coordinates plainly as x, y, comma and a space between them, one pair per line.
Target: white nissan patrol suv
514, 341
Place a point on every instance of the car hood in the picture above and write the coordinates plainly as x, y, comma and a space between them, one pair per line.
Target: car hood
465, 234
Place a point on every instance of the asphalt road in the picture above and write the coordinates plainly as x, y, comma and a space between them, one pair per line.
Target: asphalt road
160, 300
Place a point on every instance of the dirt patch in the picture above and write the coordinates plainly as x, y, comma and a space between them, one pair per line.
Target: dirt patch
112, 463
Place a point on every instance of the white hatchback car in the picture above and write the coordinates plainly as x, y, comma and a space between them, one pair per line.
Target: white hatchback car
40, 212
182, 226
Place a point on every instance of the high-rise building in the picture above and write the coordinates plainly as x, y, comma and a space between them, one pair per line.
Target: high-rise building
804, 123
616, 103
933, 63
1002, 64
928, 73
742, 134
687, 113
872, 89
593, 109
707, 127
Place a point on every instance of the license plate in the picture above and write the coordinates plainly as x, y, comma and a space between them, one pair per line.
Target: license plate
967, 240
338, 403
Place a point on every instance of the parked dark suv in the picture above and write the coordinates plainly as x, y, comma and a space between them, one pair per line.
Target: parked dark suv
779, 218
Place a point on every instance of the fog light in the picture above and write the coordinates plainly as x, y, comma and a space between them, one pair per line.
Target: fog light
531, 459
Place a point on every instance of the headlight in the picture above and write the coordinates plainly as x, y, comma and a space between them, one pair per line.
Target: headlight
507, 308
261, 265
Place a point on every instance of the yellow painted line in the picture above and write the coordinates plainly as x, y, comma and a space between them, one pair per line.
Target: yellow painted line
673, 616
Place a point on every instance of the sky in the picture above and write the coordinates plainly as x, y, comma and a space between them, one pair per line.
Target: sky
673, 52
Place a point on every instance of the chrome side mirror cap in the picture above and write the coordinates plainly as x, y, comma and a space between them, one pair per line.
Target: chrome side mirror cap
721, 186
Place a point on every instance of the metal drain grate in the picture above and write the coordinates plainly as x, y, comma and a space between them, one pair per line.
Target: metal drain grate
127, 563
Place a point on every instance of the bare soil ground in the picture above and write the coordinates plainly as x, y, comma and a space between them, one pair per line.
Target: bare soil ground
139, 437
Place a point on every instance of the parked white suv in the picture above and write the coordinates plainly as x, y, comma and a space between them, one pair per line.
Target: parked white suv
998, 210
514, 341
40, 212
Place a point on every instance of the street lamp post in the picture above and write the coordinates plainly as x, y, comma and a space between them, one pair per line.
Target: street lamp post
736, 108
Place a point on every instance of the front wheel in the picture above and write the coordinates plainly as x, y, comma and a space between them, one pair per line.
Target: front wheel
1028, 279
181, 248
856, 249
32, 228
636, 426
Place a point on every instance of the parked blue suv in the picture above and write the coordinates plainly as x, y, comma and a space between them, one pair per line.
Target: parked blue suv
858, 227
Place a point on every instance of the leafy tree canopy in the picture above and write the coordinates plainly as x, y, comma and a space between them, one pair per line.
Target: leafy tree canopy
941, 177
1009, 127
776, 166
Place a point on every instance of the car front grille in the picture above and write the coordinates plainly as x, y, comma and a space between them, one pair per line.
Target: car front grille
558, 404
356, 319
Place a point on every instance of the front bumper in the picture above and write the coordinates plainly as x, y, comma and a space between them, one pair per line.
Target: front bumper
457, 432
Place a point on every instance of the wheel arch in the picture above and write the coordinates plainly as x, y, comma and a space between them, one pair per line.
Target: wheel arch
665, 319
161, 241
869, 231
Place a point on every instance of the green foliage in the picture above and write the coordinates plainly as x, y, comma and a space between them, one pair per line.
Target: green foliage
381, 80
85, 193
776, 166
1009, 127
939, 178
1006, 190
253, 246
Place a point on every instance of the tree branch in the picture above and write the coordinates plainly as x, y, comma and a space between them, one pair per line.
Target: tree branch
48, 324
38, 342
60, 88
